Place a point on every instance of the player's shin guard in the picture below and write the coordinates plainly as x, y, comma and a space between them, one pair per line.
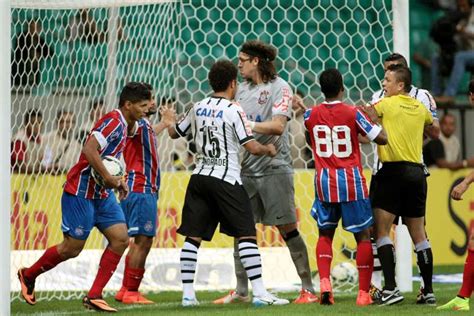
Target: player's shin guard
242, 287
251, 261
377, 272
46, 262
386, 253
424, 257
134, 278
108, 264
324, 256
468, 276
299, 255
365, 264
125, 271
188, 262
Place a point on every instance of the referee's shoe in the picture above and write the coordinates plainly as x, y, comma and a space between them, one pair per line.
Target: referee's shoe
390, 297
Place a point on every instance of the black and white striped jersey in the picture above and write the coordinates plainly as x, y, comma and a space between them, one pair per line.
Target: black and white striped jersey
219, 127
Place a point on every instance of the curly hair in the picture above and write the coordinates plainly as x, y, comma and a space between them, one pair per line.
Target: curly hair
266, 55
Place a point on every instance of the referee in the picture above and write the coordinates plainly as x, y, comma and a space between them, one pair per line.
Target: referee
401, 183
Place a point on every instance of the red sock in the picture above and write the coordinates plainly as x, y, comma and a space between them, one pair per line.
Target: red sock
365, 264
108, 264
468, 275
134, 278
48, 260
324, 256
124, 280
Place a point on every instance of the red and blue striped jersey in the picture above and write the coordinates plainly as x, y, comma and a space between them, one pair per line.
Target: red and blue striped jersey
141, 159
111, 133
333, 128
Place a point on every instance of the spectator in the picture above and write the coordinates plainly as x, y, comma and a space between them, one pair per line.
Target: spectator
29, 50
61, 149
96, 111
451, 145
26, 148
83, 27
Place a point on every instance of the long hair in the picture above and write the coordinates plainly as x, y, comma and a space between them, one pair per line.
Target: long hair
266, 55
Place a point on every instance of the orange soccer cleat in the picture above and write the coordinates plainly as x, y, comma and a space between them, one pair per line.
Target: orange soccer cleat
131, 297
27, 288
97, 304
119, 296
306, 297
232, 297
363, 299
327, 298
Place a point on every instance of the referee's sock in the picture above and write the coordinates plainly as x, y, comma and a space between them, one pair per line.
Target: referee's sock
188, 263
386, 253
242, 287
250, 257
424, 257
299, 255
377, 273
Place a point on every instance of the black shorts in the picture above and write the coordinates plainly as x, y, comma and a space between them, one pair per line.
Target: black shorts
401, 189
210, 201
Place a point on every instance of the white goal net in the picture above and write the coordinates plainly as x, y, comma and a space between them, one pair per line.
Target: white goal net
70, 60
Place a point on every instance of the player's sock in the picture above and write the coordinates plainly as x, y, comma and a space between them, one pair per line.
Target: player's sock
377, 272
107, 265
299, 255
365, 264
134, 278
46, 262
250, 257
242, 287
127, 266
324, 256
188, 263
468, 276
424, 257
386, 253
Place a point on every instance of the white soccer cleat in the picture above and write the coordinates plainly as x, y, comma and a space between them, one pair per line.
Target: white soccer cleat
268, 299
189, 302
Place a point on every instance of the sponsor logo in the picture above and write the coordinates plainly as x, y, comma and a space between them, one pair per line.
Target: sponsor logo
263, 98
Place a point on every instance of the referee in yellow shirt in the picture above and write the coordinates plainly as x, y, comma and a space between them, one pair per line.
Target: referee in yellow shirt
401, 182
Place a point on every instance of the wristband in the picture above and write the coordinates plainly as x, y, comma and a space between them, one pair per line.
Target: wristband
252, 124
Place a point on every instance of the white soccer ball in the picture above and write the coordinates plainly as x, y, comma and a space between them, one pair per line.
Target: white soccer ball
344, 273
113, 166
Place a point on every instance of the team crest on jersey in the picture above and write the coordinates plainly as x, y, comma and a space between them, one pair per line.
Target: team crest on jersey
79, 231
114, 136
148, 226
263, 98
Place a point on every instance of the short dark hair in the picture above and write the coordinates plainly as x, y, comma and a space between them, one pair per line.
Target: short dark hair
266, 54
471, 86
222, 73
331, 82
397, 57
31, 113
134, 92
402, 74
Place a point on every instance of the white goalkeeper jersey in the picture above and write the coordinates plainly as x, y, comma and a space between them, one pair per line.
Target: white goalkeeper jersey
219, 127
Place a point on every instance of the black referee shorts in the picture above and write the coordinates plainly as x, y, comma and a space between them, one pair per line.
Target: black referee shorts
210, 201
401, 189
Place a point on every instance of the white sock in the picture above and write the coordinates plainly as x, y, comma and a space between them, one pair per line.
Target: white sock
250, 258
188, 262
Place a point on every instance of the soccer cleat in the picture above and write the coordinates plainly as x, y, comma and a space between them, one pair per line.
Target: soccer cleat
456, 304
131, 297
189, 302
375, 293
27, 288
120, 293
306, 297
425, 298
232, 297
268, 299
327, 298
390, 297
363, 299
97, 304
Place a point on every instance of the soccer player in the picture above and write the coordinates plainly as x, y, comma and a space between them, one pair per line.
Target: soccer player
215, 194
86, 204
341, 190
461, 301
401, 182
433, 131
267, 101
140, 207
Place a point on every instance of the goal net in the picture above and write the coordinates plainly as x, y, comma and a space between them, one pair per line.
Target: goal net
69, 61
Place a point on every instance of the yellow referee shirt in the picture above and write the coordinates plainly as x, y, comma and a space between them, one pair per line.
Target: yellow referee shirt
404, 119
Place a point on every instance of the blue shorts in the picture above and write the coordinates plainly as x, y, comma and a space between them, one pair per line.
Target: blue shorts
356, 215
140, 211
80, 215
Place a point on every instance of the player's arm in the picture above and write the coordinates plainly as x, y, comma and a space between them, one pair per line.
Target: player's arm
168, 119
432, 130
91, 152
368, 128
459, 190
274, 127
183, 127
255, 148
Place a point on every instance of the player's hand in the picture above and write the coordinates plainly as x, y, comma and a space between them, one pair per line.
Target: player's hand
168, 115
122, 189
458, 191
297, 104
112, 182
271, 150
371, 113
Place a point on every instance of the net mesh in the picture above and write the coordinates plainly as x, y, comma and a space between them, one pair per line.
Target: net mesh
70, 59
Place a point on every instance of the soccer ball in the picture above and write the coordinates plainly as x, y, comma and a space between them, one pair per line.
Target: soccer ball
113, 166
344, 273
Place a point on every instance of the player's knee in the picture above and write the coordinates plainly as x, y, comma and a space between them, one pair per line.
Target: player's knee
144, 243
287, 228
119, 244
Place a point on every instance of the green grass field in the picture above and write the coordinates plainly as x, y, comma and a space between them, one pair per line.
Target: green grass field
168, 303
